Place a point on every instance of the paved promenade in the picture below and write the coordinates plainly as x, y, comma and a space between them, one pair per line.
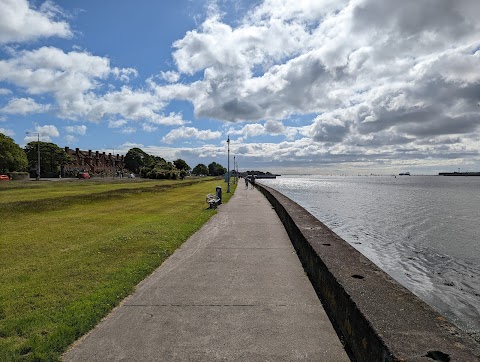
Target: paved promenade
235, 291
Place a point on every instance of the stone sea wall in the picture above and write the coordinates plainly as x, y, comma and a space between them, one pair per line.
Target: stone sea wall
376, 317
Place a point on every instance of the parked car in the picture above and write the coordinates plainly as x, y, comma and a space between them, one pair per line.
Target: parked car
4, 178
84, 175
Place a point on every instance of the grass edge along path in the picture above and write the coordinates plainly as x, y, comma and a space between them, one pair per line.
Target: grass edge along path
67, 267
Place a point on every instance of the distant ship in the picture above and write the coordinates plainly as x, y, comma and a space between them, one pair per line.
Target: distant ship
459, 174
258, 174
404, 174
266, 176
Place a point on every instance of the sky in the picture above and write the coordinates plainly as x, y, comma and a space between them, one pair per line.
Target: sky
298, 86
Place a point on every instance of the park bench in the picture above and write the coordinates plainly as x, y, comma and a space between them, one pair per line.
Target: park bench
213, 201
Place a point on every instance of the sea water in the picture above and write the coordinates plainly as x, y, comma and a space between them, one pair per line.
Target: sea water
422, 230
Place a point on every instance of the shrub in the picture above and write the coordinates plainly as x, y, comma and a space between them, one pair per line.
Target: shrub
19, 175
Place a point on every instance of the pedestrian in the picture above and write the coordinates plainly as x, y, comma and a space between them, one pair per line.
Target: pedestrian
252, 181
246, 183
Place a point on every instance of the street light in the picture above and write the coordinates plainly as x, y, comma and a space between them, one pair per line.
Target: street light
228, 165
236, 171
113, 163
38, 153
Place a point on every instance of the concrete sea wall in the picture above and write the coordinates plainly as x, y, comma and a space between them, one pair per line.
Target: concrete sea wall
376, 317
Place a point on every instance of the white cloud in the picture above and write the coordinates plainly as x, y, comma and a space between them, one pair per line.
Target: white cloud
7, 132
190, 133
382, 80
204, 154
4, 91
124, 74
19, 22
24, 106
50, 70
274, 127
70, 139
170, 76
271, 127
128, 103
329, 129
117, 124
377, 76
45, 133
173, 119
72, 78
149, 128
217, 45
81, 130
249, 130
128, 145
128, 130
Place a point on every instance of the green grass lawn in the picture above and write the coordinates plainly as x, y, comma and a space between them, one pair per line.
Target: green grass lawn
31, 191
73, 251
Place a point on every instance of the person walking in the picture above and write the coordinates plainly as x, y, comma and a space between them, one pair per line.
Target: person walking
246, 183
252, 181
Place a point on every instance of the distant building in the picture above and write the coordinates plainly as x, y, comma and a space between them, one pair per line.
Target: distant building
459, 173
95, 163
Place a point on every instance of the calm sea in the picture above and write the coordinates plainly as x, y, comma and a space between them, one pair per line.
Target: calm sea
422, 230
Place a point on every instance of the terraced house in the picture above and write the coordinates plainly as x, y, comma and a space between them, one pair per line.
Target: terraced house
95, 163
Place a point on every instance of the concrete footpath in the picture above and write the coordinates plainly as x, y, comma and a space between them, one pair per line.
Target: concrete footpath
235, 291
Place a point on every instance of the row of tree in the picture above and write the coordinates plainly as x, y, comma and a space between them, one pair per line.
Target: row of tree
13, 158
213, 169
149, 166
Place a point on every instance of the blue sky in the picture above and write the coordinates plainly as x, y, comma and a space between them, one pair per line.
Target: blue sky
312, 86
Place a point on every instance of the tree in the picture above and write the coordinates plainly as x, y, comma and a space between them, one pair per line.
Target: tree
52, 157
200, 169
181, 165
12, 157
161, 169
149, 166
216, 169
136, 159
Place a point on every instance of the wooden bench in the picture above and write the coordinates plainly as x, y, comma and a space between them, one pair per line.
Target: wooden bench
213, 201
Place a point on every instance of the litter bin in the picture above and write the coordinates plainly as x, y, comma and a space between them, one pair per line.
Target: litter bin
219, 193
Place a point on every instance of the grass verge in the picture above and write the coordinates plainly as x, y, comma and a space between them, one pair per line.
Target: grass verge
66, 261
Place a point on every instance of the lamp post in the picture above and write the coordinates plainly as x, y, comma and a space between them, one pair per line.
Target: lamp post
38, 153
228, 164
113, 163
235, 169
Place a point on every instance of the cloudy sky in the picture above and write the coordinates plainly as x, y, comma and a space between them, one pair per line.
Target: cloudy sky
299, 86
